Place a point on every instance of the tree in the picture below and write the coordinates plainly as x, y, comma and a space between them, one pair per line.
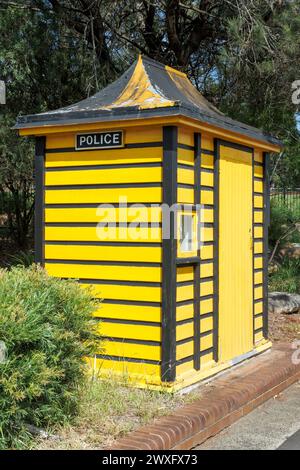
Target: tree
243, 56
16, 183
43, 67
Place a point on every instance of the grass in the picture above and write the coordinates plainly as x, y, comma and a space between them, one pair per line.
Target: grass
110, 410
21, 258
287, 278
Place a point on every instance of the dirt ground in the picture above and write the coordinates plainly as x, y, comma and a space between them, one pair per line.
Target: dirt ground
284, 327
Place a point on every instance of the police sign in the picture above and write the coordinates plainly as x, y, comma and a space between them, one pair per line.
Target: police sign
99, 140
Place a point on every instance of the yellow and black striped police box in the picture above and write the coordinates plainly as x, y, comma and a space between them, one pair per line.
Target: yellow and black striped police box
149, 194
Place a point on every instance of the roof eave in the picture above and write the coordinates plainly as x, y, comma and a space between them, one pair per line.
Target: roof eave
122, 114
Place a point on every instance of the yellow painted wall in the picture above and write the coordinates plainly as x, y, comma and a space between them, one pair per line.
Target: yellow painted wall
127, 273
124, 269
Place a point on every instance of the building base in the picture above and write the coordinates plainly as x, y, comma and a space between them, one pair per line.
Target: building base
192, 378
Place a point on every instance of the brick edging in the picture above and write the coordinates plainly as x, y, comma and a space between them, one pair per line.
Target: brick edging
233, 395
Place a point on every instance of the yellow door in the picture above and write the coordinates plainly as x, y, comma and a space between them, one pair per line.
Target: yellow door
235, 253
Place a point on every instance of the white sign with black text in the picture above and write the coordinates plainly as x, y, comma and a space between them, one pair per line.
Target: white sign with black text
99, 140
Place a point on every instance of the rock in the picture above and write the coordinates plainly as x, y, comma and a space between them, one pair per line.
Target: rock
280, 302
292, 250
41, 433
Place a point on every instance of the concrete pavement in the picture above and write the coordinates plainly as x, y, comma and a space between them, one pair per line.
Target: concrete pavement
273, 425
292, 443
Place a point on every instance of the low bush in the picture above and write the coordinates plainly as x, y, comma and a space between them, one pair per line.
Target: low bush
47, 328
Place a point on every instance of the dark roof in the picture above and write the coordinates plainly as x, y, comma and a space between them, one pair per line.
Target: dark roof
146, 89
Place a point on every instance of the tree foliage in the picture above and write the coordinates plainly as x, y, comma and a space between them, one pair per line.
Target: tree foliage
42, 66
243, 56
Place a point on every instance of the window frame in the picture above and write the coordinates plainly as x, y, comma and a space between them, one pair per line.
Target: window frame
182, 253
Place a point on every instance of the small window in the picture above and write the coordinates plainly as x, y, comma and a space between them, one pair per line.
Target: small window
186, 233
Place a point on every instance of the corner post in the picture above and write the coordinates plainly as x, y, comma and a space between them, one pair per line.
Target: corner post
169, 254
266, 221
252, 241
217, 145
197, 200
39, 177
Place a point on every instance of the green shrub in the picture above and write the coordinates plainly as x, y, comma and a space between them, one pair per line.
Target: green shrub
47, 327
281, 219
287, 278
